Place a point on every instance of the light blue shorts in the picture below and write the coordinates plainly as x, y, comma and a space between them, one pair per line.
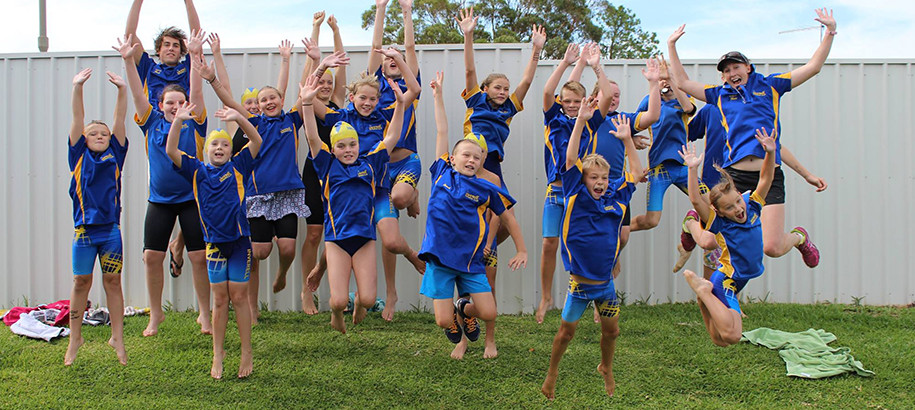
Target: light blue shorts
553, 206
603, 295
229, 261
384, 208
726, 289
101, 241
439, 282
662, 177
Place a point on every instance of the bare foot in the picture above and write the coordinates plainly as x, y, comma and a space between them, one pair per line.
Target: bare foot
308, 304
698, 283
206, 327
153, 327
549, 386
545, 305
279, 283
119, 350
336, 322
359, 313
459, 349
72, 349
418, 263
609, 383
413, 209
246, 366
314, 279
684, 257
490, 352
216, 370
389, 303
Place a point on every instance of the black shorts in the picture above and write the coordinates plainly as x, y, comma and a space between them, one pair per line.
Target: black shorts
626, 217
263, 230
747, 181
313, 194
160, 220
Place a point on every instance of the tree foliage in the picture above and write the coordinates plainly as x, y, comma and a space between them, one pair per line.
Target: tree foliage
615, 28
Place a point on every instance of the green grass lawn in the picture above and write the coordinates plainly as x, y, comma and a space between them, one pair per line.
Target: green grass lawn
664, 359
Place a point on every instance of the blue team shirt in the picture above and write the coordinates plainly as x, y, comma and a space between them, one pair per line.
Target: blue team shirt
165, 185
707, 123
608, 146
277, 167
95, 183
591, 227
371, 129
220, 195
741, 243
349, 191
746, 108
156, 76
387, 99
668, 133
456, 222
491, 122
556, 137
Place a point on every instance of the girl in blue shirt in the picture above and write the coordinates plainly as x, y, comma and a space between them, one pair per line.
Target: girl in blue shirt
219, 192
96, 157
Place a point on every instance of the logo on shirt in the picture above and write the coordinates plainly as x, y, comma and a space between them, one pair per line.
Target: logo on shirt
157, 71
181, 71
285, 130
733, 97
474, 198
608, 208
446, 186
375, 128
759, 93
107, 157
363, 173
753, 219
224, 177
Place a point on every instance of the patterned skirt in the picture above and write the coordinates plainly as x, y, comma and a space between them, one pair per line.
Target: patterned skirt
276, 205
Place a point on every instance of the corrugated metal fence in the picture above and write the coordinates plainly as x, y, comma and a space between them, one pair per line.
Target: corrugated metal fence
852, 125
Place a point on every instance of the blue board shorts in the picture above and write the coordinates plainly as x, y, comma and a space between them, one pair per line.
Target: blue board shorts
407, 170
439, 282
726, 289
97, 241
229, 261
554, 204
662, 177
603, 295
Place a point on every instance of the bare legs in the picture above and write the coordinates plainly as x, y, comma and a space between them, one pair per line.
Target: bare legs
609, 332
339, 266
309, 257
547, 267
723, 324
153, 261
394, 243
238, 292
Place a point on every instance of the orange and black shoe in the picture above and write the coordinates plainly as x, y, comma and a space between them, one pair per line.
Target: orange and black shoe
454, 332
469, 324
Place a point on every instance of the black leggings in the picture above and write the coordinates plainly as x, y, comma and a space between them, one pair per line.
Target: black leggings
263, 230
160, 220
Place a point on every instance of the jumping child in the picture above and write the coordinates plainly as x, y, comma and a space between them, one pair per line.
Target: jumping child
96, 157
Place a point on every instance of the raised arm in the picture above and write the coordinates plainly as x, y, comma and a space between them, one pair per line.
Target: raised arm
313, 53
792, 162
208, 73
79, 112
584, 114
580, 65
623, 132
339, 95
193, 20
119, 129
603, 82
538, 39
409, 43
133, 20
185, 112
664, 74
767, 173
807, 71
394, 127
693, 161
376, 58
549, 89
441, 118
693, 88
232, 116
128, 49
337, 59
409, 76
282, 82
195, 48
307, 95
652, 74
221, 72
468, 22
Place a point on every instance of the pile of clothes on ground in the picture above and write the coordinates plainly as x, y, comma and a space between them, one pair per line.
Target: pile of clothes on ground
49, 321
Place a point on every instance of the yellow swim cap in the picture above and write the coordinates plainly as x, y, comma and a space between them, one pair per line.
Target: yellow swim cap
342, 130
479, 139
218, 133
249, 93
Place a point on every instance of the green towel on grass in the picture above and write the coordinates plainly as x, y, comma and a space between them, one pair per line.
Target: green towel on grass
806, 353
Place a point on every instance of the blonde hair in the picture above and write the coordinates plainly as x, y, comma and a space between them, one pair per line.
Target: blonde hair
267, 87
365, 79
596, 88
490, 78
724, 186
573, 86
594, 161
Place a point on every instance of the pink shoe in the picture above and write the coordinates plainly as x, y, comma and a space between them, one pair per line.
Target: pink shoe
686, 238
809, 251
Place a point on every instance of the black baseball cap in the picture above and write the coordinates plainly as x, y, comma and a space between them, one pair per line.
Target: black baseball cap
733, 56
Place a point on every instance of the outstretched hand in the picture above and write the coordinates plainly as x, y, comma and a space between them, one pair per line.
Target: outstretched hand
336, 59
518, 261
766, 140
467, 21
285, 49
663, 72
185, 111
398, 93
81, 77
388, 52
229, 114
688, 153
199, 64
538, 36
311, 49
195, 42
652, 70
679, 32
116, 80
126, 48
587, 109
571, 53
436, 84
623, 130
825, 18
309, 90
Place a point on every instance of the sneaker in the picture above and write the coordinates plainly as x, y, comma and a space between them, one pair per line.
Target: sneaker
808, 249
468, 323
686, 238
454, 331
